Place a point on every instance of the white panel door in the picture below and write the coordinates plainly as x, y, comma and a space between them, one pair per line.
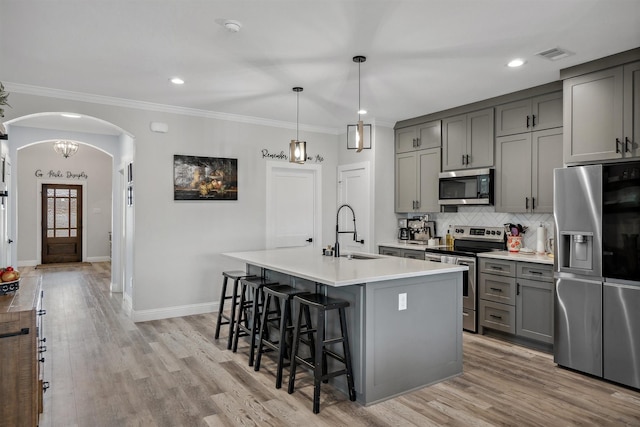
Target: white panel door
293, 208
354, 190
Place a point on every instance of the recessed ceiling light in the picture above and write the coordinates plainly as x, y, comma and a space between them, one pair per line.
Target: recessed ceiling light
176, 80
516, 63
362, 111
71, 115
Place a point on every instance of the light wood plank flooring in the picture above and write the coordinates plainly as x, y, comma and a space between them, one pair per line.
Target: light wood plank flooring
105, 370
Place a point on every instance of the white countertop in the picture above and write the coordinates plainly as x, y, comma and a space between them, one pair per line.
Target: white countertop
517, 256
309, 263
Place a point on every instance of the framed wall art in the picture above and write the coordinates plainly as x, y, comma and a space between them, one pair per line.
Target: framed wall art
205, 178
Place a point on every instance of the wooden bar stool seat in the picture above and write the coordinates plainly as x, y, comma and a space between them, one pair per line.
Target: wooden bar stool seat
317, 363
223, 318
249, 310
281, 319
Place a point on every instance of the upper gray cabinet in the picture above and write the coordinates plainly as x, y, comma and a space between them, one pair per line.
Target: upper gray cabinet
602, 115
418, 137
532, 114
467, 140
417, 181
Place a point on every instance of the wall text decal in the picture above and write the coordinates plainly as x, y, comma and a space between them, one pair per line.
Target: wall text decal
60, 174
283, 156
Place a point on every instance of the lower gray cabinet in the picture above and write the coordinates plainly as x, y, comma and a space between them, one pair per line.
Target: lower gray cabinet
517, 298
402, 253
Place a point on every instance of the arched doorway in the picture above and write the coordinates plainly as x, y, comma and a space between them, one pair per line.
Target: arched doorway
30, 137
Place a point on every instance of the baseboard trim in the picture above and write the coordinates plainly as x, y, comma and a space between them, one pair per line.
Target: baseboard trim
27, 263
98, 259
168, 312
127, 305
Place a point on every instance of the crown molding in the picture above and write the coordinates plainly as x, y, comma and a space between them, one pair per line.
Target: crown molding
150, 106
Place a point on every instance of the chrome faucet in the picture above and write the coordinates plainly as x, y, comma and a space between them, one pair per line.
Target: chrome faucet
336, 249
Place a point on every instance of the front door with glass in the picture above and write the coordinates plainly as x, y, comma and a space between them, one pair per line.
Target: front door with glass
61, 223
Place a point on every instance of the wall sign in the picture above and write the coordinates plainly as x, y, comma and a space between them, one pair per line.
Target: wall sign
284, 156
60, 174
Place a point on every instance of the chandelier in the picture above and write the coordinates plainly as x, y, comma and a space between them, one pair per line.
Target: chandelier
65, 148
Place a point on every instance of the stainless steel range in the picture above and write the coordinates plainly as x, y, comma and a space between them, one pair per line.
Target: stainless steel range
469, 241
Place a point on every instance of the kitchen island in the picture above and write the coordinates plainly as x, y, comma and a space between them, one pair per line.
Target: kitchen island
404, 319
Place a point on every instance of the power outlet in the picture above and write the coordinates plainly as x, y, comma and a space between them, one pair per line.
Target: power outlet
402, 301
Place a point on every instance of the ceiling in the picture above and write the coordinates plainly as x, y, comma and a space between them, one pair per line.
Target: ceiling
422, 56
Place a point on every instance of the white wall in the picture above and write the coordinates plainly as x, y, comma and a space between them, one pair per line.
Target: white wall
97, 166
177, 261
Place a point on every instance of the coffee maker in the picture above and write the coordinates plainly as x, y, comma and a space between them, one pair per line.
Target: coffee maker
403, 229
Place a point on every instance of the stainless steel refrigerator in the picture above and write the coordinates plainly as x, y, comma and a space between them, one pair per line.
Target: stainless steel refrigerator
597, 309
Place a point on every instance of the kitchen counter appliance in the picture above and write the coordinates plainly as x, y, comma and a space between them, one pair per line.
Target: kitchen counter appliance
597, 310
469, 242
466, 187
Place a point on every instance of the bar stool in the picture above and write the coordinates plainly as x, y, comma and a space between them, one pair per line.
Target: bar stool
230, 319
280, 319
317, 363
249, 311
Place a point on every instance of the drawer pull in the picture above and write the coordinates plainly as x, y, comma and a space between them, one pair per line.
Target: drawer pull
493, 267
41, 360
45, 386
42, 312
23, 331
42, 348
495, 316
496, 289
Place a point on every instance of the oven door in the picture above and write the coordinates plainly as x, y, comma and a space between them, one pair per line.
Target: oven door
468, 290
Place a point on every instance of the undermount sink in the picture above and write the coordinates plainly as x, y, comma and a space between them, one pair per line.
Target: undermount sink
359, 256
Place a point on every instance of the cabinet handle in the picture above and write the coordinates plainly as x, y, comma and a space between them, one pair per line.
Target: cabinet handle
533, 120
467, 156
526, 203
496, 268
23, 331
496, 289
42, 312
463, 159
517, 288
627, 142
618, 142
527, 122
418, 142
41, 360
45, 386
533, 203
495, 317
42, 349
414, 143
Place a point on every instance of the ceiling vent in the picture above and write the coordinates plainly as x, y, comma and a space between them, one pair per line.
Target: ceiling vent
554, 54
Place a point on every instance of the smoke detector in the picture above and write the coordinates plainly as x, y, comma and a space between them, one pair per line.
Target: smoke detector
232, 26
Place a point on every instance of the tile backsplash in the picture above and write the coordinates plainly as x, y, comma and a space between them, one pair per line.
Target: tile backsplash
486, 216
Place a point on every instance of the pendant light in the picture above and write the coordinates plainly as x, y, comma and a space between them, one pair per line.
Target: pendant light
297, 148
360, 126
65, 148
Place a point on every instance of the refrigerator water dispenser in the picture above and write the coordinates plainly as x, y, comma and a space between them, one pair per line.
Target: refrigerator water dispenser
580, 254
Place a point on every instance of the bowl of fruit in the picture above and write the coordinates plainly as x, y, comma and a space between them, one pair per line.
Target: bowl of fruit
9, 280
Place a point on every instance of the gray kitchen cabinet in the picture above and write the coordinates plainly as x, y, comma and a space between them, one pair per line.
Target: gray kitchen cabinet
467, 140
419, 137
524, 171
402, 253
517, 298
601, 115
417, 181
534, 302
386, 250
532, 114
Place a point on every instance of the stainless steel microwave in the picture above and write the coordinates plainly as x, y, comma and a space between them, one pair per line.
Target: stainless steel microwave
466, 187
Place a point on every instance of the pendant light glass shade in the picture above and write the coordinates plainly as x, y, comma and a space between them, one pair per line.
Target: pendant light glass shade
360, 142
297, 148
65, 148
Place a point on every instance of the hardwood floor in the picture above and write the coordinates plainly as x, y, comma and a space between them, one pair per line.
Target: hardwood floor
105, 370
